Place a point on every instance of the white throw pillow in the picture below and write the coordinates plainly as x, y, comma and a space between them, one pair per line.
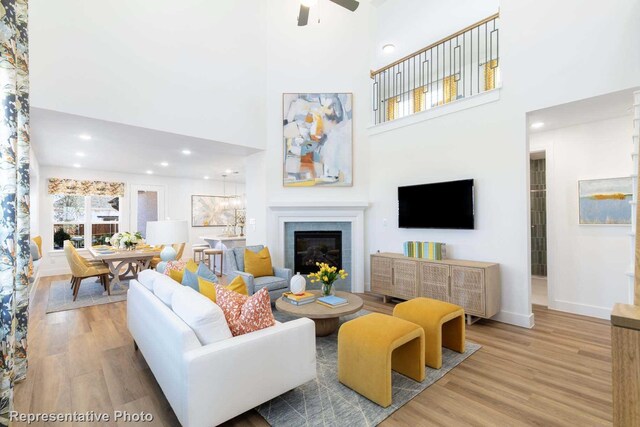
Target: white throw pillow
147, 277
164, 287
201, 314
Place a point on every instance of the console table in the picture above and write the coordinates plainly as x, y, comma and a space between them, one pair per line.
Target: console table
475, 286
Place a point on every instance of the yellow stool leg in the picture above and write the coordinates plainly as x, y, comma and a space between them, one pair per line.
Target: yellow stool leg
408, 359
453, 334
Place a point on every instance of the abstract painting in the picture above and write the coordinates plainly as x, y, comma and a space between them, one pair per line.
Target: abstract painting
605, 201
211, 211
318, 139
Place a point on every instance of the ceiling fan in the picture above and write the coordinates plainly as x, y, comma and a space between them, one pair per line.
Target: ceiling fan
305, 5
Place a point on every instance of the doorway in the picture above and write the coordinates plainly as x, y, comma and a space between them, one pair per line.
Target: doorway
147, 204
538, 194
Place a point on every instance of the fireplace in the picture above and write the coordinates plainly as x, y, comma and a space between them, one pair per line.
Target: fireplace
311, 247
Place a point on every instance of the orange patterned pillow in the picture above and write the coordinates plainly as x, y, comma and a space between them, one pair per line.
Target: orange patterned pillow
245, 314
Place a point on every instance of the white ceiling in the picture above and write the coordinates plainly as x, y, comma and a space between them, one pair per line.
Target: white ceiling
609, 106
129, 149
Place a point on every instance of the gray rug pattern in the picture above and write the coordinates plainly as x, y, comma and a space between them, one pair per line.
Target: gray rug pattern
326, 402
90, 293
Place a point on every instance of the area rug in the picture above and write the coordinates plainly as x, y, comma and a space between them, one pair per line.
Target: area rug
326, 402
90, 293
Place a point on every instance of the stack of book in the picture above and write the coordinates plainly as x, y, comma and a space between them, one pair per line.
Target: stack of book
332, 301
298, 299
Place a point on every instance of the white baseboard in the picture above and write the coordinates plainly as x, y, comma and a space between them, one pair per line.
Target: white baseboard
54, 271
582, 309
517, 319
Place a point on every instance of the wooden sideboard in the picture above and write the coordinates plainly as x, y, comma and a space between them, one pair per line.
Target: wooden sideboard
473, 285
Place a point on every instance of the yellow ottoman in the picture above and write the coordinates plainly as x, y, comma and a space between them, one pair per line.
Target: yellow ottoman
370, 346
443, 325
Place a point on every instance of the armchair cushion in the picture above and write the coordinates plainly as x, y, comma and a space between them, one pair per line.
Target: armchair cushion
272, 283
258, 264
239, 255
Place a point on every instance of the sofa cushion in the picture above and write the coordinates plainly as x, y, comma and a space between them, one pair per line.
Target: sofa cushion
164, 287
239, 254
204, 272
38, 241
245, 314
35, 252
147, 277
175, 269
272, 283
207, 288
203, 316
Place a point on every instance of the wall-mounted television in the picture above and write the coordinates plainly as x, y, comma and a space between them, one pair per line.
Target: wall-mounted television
438, 205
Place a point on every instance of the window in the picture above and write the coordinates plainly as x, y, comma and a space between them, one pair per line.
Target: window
85, 220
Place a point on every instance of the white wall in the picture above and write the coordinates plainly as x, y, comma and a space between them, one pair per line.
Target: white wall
586, 263
191, 67
488, 143
325, 57
178, 193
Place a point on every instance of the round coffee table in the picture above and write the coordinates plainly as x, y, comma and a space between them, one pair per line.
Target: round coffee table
325, 318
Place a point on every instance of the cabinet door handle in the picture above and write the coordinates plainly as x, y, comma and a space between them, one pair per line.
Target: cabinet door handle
393, 276
449, 286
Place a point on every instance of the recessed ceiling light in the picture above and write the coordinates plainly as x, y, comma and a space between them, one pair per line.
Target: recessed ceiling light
84, 136
80, 154
149, 172
206, 177
186, 152
165, 164
537, 125
76, 165
388, 48
308, 3
228, 171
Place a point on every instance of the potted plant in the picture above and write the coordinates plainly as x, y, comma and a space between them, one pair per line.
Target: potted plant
327, 275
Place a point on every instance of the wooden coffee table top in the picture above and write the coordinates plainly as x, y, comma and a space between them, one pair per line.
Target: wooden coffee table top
318, 311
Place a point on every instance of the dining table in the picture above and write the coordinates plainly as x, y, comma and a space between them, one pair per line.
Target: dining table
124, 263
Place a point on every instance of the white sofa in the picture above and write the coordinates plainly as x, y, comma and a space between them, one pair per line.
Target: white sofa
209, 384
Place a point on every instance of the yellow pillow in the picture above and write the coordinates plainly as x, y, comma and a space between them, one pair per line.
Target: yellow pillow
208, 288
177, 273
38, 241
259, 264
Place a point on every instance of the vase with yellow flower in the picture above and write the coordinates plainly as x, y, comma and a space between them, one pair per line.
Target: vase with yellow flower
327, 275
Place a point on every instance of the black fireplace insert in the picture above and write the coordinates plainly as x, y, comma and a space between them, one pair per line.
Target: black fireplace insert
317, 246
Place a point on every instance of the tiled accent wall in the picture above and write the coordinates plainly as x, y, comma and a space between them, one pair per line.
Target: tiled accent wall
538, 218
289, 241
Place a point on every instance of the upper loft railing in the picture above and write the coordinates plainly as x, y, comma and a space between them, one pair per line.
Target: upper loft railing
461, 65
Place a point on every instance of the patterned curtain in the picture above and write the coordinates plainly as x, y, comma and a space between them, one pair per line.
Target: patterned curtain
14, 198
85, 188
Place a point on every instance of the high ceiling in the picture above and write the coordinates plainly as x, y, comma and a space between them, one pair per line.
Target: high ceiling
57, 140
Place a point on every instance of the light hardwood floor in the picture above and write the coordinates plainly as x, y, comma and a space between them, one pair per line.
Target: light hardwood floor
558, 373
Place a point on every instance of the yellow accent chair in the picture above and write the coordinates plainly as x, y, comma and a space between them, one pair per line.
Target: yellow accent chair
82, 269
443, 325
179, 248
369, 347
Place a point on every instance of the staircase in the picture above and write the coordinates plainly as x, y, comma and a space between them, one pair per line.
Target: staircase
634, 201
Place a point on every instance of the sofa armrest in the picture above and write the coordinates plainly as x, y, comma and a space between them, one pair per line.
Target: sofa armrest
283, 273
230, 377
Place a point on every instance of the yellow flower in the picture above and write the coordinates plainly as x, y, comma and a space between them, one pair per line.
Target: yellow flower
324, 278
341, 272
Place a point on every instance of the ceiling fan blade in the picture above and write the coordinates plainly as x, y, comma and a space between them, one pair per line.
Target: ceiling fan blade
303, 17
352, 5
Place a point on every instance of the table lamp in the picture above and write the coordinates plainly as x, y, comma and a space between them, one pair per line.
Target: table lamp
167, 233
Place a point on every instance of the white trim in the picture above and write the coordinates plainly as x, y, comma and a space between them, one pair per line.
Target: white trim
432, 113
56, 271
582, 309
282, 212
517, 319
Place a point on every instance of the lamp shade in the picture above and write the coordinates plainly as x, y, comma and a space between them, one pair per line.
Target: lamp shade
167, 232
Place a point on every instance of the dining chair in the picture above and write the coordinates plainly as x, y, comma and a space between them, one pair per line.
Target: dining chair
81, 269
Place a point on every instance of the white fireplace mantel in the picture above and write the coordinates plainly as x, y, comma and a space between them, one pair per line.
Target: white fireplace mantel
281, 213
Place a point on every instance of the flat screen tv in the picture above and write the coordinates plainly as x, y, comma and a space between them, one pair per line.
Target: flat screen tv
439, 205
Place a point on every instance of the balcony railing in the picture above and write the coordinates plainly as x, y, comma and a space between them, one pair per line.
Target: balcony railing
459, 66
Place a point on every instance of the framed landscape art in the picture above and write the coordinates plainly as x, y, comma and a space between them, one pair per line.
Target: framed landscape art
605, 201
211, 211
318, 139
